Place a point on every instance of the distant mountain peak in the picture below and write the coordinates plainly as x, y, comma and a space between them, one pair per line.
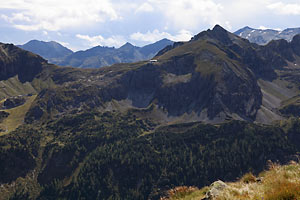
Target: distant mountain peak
49, 50
264, 36
248, 27
127, 45
164, 40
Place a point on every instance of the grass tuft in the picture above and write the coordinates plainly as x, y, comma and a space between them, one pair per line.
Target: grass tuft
276, 183
283, 190
248, 178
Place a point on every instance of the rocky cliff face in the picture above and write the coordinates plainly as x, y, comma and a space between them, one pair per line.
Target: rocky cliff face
14, 61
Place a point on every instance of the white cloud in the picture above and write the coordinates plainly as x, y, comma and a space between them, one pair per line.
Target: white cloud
145, 7
265, 28
285, 8
115, 41
156, 35
15, 17
53, 15
189, 14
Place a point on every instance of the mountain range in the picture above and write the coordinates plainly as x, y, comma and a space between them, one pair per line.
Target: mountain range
52, 51
264, 36
95, 57
212, 108
104, 56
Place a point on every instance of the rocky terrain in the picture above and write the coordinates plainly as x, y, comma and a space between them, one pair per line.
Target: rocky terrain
264, 36
212, 108
277, 182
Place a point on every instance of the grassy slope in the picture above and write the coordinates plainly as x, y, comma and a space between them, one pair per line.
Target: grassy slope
279, 182
13, 87
16, 116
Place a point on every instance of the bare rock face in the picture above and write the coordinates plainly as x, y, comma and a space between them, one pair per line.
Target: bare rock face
13, 102
15, 61
178, 88
3, 115
215, 190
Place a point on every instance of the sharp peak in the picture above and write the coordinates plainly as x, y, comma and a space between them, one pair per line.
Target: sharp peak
164, 39
248, 27
244, 29
218, 32
217, 27
127, 44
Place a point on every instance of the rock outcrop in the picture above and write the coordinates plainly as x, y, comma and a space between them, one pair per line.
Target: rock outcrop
215, 190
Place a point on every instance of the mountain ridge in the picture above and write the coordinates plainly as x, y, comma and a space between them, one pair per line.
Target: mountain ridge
264, 36
53, 51
94, 57
214, 107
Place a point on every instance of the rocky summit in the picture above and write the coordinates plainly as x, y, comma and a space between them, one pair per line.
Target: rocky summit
211, 108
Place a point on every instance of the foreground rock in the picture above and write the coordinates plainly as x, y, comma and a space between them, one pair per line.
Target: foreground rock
215, 190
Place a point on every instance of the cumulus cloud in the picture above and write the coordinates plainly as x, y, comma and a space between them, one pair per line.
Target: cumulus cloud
15, 17
53, 15
189, 14
156, 35
115, 41
285, 8
145, 7
266, 28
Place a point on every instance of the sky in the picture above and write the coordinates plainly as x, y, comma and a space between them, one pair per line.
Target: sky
82, 24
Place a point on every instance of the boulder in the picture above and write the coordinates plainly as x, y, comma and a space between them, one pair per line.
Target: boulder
215, 190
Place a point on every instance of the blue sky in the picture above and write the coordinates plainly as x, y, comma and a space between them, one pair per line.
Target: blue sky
81, 24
